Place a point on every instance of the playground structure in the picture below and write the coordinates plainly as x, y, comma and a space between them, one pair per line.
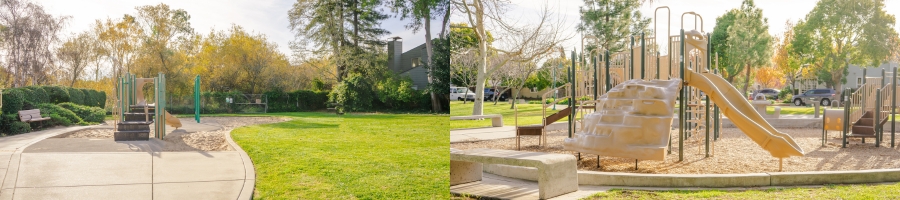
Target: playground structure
868, 108
133, 112
592, 95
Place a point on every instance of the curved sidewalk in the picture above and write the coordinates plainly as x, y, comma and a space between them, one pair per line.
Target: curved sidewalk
79, 168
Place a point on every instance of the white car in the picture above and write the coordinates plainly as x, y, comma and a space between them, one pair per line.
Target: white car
460, 93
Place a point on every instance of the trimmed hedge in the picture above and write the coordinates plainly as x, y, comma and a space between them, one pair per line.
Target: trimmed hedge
58, 94
75, 96
86, 113
37, 95
13, 100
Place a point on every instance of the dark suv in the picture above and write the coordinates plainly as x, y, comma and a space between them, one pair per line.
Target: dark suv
489, 95
823, 96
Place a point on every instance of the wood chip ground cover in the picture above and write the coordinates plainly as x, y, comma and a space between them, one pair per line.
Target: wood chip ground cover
734, 153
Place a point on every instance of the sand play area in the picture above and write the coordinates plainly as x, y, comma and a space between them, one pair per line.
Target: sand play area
734, 153
210, 139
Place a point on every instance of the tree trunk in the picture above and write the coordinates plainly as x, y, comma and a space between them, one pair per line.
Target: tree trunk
435, 104
747, 81
478, 108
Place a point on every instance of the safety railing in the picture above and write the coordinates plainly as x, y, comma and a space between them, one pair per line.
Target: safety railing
863, 99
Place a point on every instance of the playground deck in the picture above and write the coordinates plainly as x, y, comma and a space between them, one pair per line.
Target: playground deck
734, 153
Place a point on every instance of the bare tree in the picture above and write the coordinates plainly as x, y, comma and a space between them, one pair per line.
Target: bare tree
517, 74
463, 69
28, 34
76, 53
518, 43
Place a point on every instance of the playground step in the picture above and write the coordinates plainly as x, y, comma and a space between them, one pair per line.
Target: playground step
860, 135
142, 107
137, 117
865, 122
141, 135
534, 129
133, 126
863, 130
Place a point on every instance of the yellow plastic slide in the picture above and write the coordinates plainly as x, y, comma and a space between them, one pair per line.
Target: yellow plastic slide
172, 121
742, 114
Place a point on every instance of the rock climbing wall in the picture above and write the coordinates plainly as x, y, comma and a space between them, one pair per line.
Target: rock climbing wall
633, 120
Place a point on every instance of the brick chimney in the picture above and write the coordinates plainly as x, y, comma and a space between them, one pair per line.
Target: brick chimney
395, 48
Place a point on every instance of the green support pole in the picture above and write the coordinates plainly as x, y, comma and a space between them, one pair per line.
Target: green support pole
718, 118
572, 96
707, 125
596, 80
681, 103
631, 66
608, 83
880, 104
846, 116
643, 59
823, 127
877, 121
197, 99
893, 105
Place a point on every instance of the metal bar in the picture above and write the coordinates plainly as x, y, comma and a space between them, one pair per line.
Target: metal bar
877, 119
643, 59
631, 66
707, 125
608, 84
824, 135
572, 97
893, 104
846, 117
682, 103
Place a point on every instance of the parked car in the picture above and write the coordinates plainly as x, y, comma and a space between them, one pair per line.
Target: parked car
771, 94
489, 95
823, 96
459, 93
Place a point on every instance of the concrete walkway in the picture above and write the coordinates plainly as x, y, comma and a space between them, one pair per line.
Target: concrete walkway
77, 168
493, 133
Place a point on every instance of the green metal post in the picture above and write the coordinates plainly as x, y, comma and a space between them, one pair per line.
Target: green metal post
681, 103
823, 127
197, 99
643, 60
846, 116
608, 83
893, 104
631, 66
877, 121
596, 79
572, 96
707, 125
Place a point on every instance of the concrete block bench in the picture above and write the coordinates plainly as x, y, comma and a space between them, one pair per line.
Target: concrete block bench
496, 120
557, 173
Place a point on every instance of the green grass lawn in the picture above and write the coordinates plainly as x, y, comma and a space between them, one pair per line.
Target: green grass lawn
829, 192
528, 114
325, 156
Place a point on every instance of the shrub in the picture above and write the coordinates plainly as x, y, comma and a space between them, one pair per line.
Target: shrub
75, 96
13, 100
48, 109
57, 93
86, 113
101, 98
55, 119
38, 95
354, 93
397, 92
18, 127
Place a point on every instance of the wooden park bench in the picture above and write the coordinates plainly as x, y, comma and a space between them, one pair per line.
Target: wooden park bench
337, 107
557, 173
496, 120
32, 116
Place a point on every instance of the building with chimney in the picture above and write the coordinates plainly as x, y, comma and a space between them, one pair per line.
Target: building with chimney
410, 63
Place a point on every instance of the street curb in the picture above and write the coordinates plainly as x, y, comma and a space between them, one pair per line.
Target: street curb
249, 171
710, 180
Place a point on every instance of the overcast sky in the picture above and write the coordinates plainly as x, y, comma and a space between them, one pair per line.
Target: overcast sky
268, 17
777, 11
